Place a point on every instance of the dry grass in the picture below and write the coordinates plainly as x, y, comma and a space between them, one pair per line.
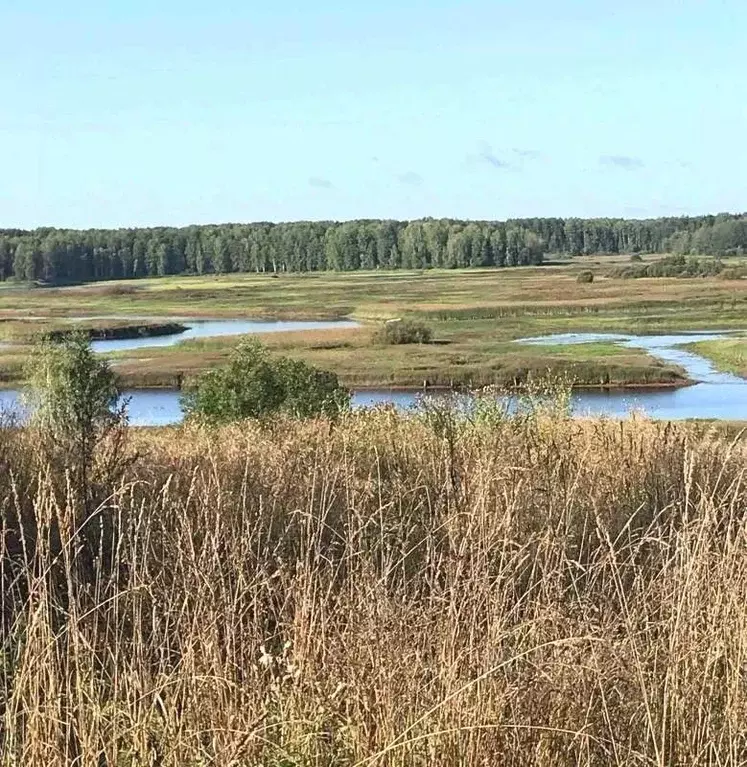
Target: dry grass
384, 591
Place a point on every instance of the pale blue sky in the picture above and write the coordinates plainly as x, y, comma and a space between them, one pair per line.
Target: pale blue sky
135, 112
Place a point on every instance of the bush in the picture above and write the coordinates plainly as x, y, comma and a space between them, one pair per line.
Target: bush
80, 436
673, 266
74, 400
732, 273
636, 258
586, 277
118, 289
404, 332
254, 385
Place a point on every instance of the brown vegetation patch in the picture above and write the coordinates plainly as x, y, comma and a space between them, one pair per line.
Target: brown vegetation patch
385, 591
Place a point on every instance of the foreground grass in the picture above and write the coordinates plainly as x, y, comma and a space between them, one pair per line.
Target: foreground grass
383, 591
476, 315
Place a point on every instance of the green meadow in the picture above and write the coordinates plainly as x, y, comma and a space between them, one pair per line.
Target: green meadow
476, 316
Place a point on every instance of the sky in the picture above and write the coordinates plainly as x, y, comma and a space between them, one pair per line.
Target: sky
166, 112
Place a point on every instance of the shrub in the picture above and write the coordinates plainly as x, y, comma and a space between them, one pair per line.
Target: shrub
79, 432
117, 289
636, 258
586, 277
404, 332
673, 266
73, 396
254, 385
732, 273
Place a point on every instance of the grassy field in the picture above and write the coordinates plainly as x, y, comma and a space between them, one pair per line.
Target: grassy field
729, 355
476, 315
381, 592
464, 354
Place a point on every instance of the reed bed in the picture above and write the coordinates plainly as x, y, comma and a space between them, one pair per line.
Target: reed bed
380, 591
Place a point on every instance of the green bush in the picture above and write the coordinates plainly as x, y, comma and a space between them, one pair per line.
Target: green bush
79, 426
254, 385
74, 401
586, 277
404, 332
673, 266
636, 258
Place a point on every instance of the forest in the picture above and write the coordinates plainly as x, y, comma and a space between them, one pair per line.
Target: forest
59, 256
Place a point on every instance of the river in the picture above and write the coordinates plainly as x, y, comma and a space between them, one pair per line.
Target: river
715, 395
215, 328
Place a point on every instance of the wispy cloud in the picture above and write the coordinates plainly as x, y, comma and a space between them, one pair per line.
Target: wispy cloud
623, 161
410, 178
487, 156
514, 159
527, 154
321, 183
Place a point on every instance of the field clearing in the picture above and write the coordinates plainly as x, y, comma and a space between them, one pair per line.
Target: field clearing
376, 294
475, 315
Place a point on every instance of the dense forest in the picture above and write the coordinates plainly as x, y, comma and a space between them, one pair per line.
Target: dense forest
64, 255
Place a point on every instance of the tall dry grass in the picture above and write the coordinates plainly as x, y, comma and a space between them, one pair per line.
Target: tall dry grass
385, 591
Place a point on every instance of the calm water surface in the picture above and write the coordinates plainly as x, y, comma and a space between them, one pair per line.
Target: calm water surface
160, 407
214, 328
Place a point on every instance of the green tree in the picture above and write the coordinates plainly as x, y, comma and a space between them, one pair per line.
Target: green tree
73, 396
221, 256
81, 434
253, 385
79, 418
53, 254
413, 246
20, 260
6, 259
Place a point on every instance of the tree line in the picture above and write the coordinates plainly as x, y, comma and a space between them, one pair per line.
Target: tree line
67, 255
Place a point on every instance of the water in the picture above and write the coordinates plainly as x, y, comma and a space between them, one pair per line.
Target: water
663, 347
214, 328
717, 396
160, 407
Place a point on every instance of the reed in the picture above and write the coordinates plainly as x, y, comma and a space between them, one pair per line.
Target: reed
384, 590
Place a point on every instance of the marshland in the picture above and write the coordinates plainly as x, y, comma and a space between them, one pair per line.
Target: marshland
373, 384
463, 583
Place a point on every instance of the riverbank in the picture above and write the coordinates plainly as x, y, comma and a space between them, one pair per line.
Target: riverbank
26, 330
464, 356
728, 355
124, 331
